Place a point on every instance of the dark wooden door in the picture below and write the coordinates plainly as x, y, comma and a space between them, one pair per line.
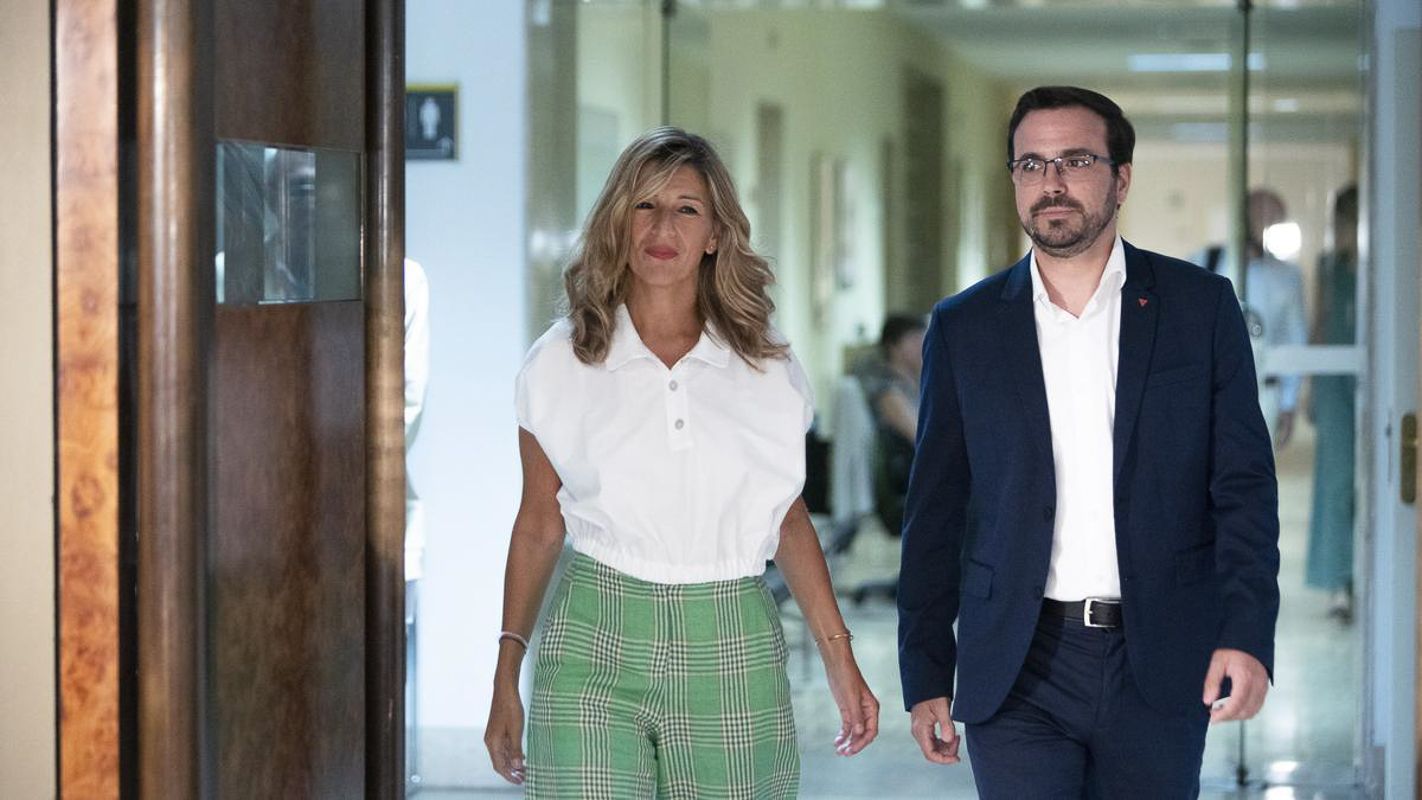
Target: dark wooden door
270, 462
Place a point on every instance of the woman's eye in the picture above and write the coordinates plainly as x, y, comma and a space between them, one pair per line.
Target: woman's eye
644, 204
689, 210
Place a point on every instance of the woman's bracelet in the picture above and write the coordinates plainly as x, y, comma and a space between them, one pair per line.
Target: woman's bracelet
517, 638
847, 636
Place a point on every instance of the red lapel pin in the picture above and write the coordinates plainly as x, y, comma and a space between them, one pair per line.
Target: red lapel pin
1142, 301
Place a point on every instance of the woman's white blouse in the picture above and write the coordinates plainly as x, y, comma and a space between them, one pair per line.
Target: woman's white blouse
678, 475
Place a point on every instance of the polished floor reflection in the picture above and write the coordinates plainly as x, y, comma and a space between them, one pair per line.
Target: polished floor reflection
1301, 746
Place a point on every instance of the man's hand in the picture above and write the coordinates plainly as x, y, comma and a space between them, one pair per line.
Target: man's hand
933, 729
1249, 683
1283, 429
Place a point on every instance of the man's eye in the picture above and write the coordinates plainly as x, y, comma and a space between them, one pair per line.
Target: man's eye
1031, 165
1079, 162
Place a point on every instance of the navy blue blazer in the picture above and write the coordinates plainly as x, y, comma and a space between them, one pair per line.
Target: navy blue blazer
1197, 523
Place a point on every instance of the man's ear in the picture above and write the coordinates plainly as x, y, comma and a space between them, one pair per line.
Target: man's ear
1123, 183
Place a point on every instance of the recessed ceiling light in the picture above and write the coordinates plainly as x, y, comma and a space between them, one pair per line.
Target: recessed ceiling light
1189, 62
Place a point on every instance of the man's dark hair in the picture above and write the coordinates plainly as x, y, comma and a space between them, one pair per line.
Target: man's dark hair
896, 327
1345, 205
1120, 136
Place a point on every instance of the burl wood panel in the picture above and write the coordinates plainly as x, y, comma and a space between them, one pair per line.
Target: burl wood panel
86, 284
291, 72
286, 580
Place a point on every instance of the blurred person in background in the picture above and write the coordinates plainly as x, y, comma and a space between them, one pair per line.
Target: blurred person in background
890, 383
1274, 306
1332, 397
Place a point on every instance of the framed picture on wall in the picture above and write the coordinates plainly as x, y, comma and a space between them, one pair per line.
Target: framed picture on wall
832, 246
823, 236
431, 122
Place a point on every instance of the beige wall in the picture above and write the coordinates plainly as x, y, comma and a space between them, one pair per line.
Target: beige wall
26, 419
839, 78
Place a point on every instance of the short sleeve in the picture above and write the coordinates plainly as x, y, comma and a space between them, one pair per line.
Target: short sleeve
541, 367
801, 382
522, 411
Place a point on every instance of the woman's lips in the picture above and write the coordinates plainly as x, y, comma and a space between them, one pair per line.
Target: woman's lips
661, 253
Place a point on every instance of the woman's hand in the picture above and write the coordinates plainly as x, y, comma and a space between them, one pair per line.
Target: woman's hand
504, 734
858, 708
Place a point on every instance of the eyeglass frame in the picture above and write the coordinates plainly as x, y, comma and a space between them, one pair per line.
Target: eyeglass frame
1011, 170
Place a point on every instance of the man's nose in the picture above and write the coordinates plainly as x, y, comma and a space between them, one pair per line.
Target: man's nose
1052, 182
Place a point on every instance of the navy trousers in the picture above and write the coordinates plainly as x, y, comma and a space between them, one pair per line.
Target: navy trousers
1075, 726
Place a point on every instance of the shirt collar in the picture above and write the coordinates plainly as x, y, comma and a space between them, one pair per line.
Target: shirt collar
627, 345
1112, 278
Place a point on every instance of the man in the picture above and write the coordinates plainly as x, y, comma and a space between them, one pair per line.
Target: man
1093, 496
1274, 311
1274, 300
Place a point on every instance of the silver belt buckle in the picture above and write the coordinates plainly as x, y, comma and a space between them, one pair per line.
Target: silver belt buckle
1086, 611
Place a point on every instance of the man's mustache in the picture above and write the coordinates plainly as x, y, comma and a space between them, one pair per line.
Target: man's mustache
1055, 202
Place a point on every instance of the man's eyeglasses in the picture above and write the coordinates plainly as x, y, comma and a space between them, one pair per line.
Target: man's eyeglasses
1076, 165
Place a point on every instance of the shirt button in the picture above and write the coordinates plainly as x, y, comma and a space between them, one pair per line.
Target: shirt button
672, 386
1048, 512
680, 424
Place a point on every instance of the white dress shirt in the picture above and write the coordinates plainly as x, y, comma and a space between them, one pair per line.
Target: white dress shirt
679, 475
1079, 356
1276, 305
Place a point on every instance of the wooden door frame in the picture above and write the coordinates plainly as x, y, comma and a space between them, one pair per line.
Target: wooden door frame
86, 275
385, 399
175, 186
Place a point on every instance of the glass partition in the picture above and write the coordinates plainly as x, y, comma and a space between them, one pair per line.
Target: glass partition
288, 224
867, 141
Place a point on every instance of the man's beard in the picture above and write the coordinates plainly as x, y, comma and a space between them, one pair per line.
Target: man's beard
1064, 237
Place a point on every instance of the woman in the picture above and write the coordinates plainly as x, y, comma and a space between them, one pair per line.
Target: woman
662, 425
1330, 527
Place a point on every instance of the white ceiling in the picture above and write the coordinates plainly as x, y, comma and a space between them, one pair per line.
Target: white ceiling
1310, 46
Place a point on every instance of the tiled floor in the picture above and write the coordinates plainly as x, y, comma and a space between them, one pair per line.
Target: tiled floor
1305, 733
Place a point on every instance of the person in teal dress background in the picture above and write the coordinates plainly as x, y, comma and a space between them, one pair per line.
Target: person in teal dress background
1330, 538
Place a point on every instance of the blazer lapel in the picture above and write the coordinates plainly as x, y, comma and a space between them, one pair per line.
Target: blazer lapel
1140, 308
1018, 339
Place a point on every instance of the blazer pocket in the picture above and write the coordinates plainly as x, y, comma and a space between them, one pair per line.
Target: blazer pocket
1195, 564
977, 579
1174, 375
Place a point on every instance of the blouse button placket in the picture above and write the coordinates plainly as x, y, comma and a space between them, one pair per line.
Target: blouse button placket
678, 420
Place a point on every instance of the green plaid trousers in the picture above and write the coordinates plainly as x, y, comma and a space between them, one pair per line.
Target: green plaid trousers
660, 690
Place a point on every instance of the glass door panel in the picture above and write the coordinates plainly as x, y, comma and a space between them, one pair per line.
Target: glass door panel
1302, 291
866, 141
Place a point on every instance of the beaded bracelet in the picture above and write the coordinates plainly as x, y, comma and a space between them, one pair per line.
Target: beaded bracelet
846, 636
511, 635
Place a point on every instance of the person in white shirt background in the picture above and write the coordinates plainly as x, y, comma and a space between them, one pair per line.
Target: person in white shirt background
417, 379
1274, 310
1273, 307
661, 429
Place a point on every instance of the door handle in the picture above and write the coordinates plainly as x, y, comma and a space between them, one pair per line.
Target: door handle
1409, 458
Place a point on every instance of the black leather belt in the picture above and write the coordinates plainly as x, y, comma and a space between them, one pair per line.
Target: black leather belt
1093, 612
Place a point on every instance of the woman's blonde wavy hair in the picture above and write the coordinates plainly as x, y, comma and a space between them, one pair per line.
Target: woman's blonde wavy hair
731, 295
